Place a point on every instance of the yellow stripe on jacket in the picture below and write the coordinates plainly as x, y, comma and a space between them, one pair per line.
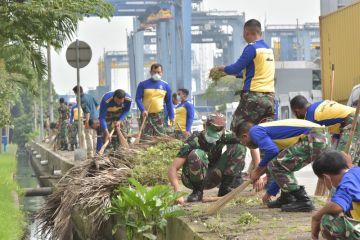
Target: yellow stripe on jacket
76, 114
355, 212
328, 110
180, 118
155, 97
263, 80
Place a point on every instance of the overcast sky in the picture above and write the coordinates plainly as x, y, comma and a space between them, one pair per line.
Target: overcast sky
103, 35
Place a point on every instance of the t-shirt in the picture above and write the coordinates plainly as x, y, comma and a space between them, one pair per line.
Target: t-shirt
89, 105
347, 194
184, 116
258, 67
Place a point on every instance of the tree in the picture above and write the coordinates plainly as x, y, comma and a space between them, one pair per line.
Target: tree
27, 27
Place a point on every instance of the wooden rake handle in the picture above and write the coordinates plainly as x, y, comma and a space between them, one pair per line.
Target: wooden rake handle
137, 141
216, 206
353, 127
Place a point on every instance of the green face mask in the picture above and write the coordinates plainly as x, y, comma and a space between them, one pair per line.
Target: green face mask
211, 135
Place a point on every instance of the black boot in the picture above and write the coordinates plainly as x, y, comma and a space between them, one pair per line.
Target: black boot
61, 147
72, 147
65, 147
302, 204
238, 180
197, 194
285, 198
225, 186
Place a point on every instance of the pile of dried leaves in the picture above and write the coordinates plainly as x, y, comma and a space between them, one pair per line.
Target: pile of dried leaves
89, 185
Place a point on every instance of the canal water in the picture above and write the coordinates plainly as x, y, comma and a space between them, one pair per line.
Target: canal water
25, 178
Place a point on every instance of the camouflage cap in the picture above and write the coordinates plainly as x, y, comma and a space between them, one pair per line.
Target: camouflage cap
216, 119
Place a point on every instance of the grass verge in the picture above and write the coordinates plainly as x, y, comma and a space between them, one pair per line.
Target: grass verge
11, 217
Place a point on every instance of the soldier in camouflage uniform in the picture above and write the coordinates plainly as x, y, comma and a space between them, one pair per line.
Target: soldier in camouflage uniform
152, 96
337, 117
204, 164
73, 127
256, 66
63, 125
340, 217
288, 146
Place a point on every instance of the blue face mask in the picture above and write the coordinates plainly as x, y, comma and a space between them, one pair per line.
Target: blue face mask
156, 77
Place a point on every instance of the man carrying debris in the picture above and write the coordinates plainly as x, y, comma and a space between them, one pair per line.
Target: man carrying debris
114, 109
90, 108
204, 163
288, 145
257, 65
151, 96
184, 115
74, 121
63, 124
337, 117
340, 217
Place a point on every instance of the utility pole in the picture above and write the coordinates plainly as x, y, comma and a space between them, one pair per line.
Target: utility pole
50, 96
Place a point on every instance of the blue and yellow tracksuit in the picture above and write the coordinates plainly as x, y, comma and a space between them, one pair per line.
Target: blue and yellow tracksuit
329, 113
110, 111
154, 94
258, 67
273, 137
184, 116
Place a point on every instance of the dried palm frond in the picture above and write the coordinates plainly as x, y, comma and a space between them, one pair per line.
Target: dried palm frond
88, 187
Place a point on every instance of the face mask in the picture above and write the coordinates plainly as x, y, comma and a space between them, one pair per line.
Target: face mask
178, 98
156, 77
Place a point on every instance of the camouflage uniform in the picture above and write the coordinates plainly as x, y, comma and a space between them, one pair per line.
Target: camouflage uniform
73, 129
206, 163
154, 125
254, 107
297, 156
340, 227
63, 115
355, 143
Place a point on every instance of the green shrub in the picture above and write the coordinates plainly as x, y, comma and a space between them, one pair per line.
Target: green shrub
142, 211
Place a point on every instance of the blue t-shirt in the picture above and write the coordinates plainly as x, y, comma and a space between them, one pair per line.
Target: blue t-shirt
347, 194
89, 105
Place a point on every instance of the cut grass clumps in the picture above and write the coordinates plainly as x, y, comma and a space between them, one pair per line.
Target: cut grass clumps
151, 165
12, 223
215, 74
247, 219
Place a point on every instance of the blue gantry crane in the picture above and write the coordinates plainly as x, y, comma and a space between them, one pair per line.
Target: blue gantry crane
173, 25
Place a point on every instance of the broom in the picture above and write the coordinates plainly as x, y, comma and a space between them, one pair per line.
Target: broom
321, 189
216, 206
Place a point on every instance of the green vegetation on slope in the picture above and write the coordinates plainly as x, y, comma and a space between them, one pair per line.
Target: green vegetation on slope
11, 217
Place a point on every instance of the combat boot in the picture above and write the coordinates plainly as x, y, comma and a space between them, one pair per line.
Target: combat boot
225, 186
197, 193
302, 204
65, 147
285, 198
72, 147
238, 180
61, 147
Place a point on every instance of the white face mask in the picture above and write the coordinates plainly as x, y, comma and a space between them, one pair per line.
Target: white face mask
178, 98
156, 77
